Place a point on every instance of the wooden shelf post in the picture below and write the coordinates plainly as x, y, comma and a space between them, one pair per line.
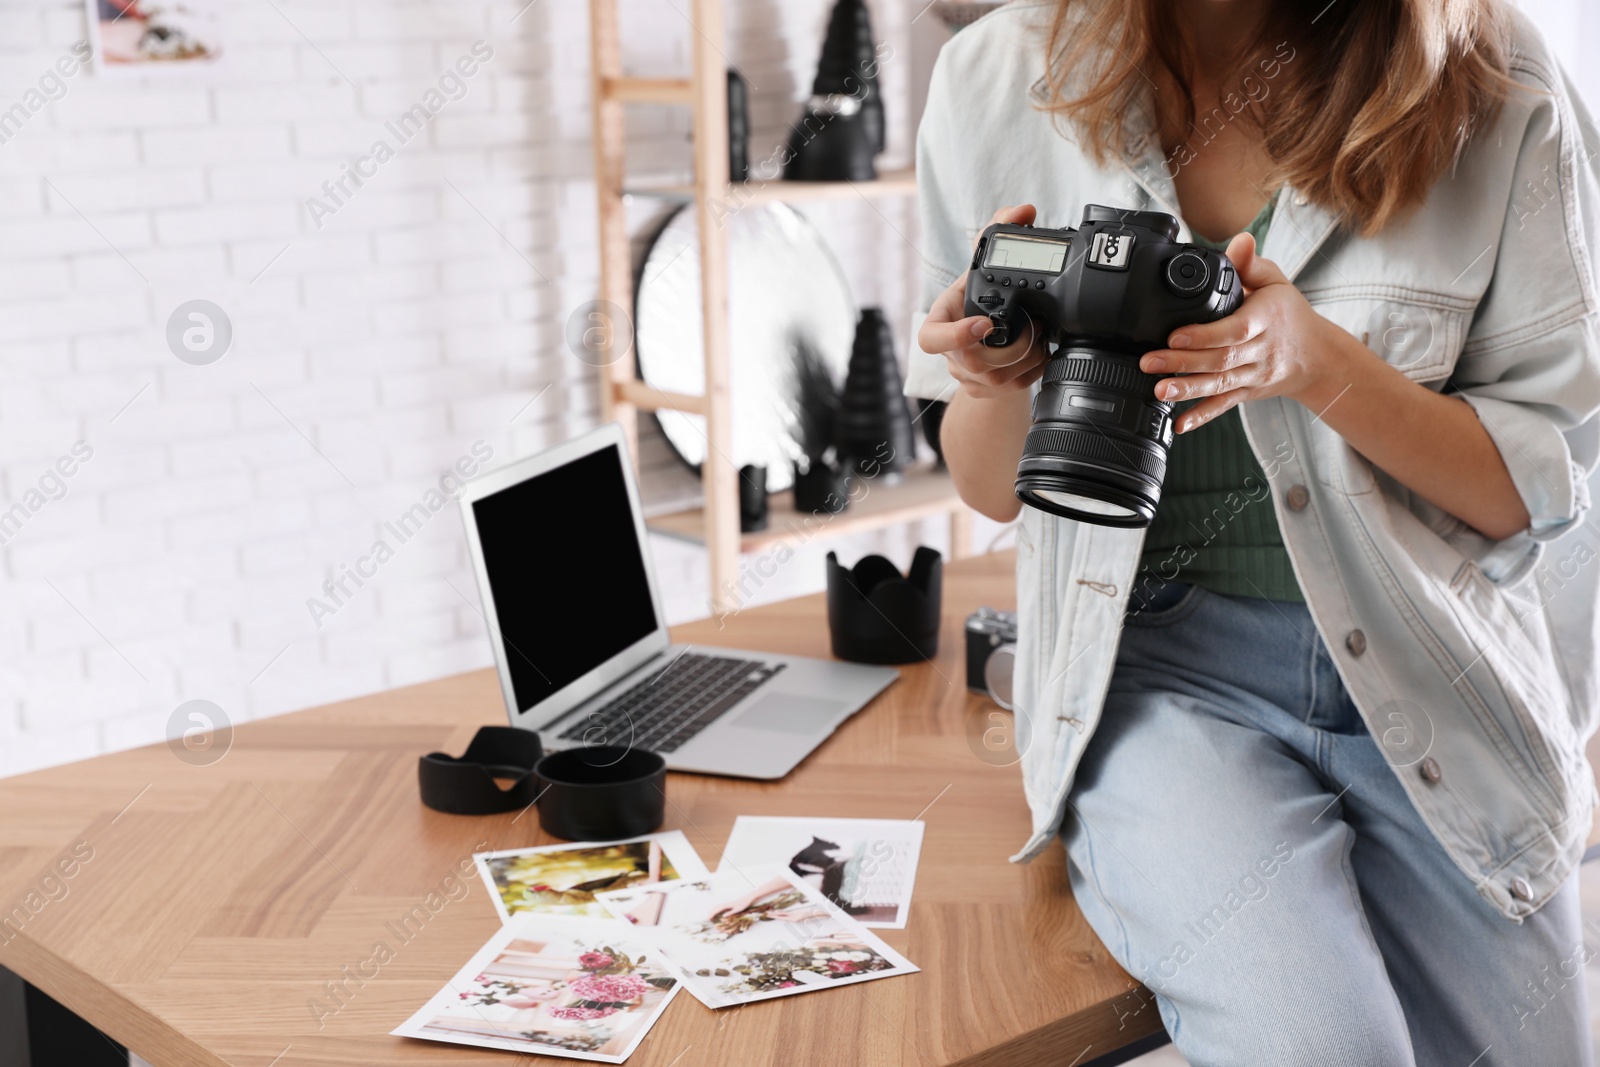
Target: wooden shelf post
610, 326
615, 337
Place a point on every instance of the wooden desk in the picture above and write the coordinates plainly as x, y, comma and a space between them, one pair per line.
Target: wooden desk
220, 899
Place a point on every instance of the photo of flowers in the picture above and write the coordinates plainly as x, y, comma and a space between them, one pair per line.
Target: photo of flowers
580, 988
866, 866
562, 879
148, 36
743, 936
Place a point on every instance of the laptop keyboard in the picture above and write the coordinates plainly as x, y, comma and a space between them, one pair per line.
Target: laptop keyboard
669, 707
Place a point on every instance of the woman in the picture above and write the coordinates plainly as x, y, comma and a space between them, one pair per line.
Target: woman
1314, 741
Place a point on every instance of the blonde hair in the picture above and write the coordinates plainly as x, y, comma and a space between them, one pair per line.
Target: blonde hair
1369, 102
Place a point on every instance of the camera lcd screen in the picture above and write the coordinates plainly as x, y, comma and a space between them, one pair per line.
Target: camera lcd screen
1010, 251
569, 584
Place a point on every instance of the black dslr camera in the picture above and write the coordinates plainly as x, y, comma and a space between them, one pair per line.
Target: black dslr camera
1104, 294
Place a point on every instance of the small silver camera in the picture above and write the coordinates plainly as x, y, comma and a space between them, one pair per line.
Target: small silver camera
991, 653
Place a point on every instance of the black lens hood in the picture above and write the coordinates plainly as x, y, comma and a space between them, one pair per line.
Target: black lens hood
878, 615
465, 785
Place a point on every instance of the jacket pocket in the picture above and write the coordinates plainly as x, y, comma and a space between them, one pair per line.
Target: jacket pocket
1418, 333
1516, 651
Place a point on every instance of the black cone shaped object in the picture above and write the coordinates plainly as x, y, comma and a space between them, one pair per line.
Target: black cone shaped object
842, 127
874, 429
738, 127
848, 65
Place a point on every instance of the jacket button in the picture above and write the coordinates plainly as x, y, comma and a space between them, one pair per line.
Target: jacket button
1521, 889
1297, 498
1356, 642
1430, 770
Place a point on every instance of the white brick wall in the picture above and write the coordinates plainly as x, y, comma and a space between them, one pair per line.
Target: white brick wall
368, 354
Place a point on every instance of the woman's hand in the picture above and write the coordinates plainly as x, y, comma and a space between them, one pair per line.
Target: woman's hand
1274, 345
983, 373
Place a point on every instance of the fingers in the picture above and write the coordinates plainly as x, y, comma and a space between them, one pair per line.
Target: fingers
949, 330
1203, 361
994, 366
981, 389
1193, 386
953, 336
1017, 215
976, 366
947, 327
1236, 329
1207, 410
1254, 271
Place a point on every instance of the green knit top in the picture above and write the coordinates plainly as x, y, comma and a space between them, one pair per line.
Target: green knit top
1215, 527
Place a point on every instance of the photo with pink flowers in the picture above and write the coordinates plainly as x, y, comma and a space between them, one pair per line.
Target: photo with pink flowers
579, 988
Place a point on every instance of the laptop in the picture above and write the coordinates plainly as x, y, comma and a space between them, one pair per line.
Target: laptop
580, 640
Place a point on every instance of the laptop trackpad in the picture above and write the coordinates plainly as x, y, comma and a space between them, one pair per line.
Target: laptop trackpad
788, 713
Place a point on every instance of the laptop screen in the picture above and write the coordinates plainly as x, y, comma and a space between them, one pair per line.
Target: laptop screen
564, 567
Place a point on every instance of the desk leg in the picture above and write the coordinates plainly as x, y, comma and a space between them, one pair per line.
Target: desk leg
1149, 1043
35, 1031
13, 1020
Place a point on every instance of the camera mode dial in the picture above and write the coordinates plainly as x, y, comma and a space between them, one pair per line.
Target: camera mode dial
1187, 274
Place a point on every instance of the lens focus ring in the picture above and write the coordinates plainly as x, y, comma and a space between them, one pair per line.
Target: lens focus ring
1123, 375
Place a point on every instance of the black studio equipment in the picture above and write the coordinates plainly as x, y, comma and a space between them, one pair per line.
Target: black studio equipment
821, 482
842, 128
1105, 294
874, 431
753, 507
587, 793
878, 615
738, 127
466, 784
930, 414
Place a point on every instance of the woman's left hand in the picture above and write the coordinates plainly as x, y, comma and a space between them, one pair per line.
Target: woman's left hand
1274, 345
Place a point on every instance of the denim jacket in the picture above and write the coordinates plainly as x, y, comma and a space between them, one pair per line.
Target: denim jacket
1473, 661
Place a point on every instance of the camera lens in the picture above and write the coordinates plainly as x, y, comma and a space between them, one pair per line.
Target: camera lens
1097, 450
998, 671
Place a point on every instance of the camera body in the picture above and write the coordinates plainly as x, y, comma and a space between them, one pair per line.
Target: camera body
1104, 294
991, 652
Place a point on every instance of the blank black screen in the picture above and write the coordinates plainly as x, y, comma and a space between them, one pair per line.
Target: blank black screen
569, 584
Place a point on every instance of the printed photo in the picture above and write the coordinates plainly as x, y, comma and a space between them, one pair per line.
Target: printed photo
582, 988
865, 866
563, 879
152, 35
742, 936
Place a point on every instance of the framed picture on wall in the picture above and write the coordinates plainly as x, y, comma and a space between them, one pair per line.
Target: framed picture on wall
155, 36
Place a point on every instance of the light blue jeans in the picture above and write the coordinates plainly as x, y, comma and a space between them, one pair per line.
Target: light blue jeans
1241, 845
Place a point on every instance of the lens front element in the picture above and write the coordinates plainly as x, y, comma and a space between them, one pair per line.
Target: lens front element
1097, 450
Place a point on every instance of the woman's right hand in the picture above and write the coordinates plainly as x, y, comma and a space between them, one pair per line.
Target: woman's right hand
982, 372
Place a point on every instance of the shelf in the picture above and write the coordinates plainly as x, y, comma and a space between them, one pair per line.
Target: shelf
889, 183
923, 492
649, 398
648, 90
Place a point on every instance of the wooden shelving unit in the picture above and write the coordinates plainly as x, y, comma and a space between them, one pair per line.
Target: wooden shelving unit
920, 494
889, 183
